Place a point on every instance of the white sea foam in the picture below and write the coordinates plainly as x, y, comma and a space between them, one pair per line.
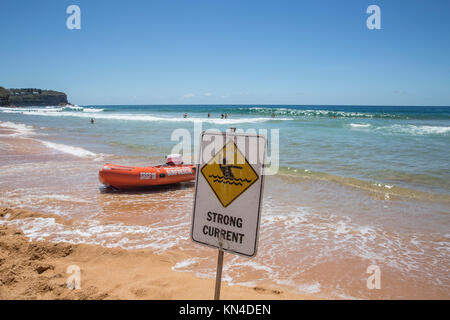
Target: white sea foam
360, 125
309, 287
92, 110
75, 151
73, 107
248, 263
415, 130
381, 185
404, 129
23, 196
365, 230
93, 232
61, 197
49, 110
301, 288
21, 130
347, 297
179, 266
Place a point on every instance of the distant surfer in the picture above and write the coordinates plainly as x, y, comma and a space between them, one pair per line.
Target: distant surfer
92, 120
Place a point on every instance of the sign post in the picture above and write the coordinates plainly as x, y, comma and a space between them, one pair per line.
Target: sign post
218, 275
228, 194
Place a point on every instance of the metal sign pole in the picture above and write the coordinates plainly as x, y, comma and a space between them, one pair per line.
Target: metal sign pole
218, 275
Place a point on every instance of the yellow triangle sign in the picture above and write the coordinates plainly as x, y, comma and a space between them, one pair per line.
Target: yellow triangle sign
229, 174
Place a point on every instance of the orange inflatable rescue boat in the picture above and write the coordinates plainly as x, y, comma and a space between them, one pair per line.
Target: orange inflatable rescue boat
125, 177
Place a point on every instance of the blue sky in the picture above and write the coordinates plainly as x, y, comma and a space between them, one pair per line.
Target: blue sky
230, 51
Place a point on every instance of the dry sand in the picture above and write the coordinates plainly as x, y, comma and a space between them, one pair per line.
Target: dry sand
37, 270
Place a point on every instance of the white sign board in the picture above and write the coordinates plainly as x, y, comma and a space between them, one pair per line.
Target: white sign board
228, 191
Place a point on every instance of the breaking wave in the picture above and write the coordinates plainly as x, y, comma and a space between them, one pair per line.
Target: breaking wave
415, 130
49, 109
311, 112
75, 151
404, 129
98, 114
20, 129
360, 125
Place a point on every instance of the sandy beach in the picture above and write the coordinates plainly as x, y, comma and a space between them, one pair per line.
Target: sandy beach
37, 270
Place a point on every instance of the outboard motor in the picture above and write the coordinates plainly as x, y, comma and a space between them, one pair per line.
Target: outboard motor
174, 159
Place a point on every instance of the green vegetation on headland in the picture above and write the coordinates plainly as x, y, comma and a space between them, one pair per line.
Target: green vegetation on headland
4, 97
31, 97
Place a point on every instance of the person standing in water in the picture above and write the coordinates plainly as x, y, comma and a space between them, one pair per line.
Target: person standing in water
209, 115
92, 120
185, 115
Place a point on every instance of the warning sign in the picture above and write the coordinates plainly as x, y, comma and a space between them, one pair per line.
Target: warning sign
228, 192
229, 180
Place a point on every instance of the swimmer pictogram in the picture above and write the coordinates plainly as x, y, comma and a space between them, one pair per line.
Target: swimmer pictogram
229, 179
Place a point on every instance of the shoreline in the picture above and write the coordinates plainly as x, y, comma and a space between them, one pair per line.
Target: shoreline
37, 270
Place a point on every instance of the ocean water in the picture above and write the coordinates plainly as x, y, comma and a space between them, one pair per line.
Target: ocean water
357, 185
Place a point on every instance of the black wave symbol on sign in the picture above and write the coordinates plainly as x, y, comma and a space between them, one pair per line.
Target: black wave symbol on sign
226, 178
228, 182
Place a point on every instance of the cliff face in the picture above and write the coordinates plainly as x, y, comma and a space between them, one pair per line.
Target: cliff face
36, 97
4, 97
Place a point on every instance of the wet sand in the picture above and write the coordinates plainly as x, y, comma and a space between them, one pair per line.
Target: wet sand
37, 270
